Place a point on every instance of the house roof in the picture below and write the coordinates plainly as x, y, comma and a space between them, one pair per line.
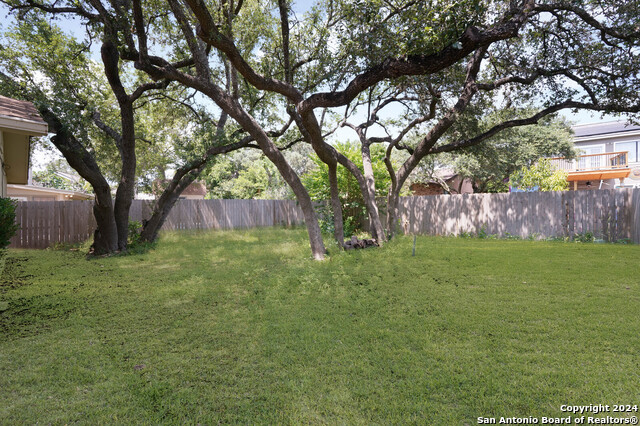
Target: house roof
19, 109
196, 188
446, 173
21, 117
42, 190
594, 129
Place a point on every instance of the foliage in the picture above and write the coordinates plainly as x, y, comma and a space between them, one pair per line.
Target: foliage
135, 244
540, 177
449, 64
51, 177
376, 337
135, 228
246, 174
490, 164
354, 212
587, 237
8, 226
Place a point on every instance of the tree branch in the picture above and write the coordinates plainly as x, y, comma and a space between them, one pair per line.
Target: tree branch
532, 120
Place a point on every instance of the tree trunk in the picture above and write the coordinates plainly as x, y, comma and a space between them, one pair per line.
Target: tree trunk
393, 201
336, 205
377, 232
313, 228
81, 160
165, 203
126, 143
105, 237
126, 186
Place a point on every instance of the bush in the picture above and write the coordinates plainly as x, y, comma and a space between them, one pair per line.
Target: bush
540, 177
135, 228
135, 245
8, 225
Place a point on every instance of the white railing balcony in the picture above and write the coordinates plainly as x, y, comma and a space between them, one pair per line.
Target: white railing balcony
606, 161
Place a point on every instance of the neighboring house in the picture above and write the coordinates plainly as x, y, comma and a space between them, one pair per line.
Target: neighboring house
19, 120
39, 193
195, 191
610, 156
446, 182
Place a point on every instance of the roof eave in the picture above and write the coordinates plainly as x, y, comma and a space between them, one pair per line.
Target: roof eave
22, 126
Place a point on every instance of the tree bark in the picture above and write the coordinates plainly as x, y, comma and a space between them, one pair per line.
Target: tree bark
393, 201
106, 235
126, 186
165, 203
126, 144
336, 205
377, 232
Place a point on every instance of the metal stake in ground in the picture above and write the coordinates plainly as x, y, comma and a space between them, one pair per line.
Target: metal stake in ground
413, 252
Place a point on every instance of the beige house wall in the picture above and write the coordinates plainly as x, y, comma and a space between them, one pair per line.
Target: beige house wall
16, 157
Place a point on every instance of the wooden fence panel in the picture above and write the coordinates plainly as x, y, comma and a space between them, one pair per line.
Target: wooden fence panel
610, 214
44, 223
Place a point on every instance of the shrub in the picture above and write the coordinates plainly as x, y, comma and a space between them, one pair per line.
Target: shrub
8, 226
540, 177
587, 237
135, 245
135, 228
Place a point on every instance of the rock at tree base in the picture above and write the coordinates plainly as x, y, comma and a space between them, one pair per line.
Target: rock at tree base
355, 243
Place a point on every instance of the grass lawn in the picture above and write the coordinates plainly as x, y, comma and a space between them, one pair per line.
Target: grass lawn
243, 327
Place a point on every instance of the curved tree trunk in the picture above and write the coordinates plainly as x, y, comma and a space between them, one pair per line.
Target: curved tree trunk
271, 151
165, 203
81, 160
313, 228
377, 231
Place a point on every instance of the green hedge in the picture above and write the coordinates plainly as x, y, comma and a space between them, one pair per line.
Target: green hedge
8, 225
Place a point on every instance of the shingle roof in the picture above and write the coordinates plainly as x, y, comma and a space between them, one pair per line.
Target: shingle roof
196, 188
603, 128
19, 109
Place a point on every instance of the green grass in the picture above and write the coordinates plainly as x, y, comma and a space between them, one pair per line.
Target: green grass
243, 327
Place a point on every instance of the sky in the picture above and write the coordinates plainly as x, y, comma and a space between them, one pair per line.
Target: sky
40, 157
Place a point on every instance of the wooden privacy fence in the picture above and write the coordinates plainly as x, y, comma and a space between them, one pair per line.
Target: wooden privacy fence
43, 223
611, 214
